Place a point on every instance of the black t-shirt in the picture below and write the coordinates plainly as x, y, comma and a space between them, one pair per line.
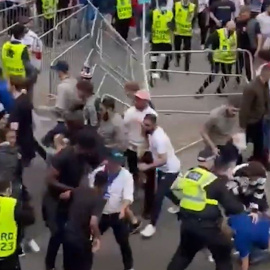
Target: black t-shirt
223, 10
70, 166
242, 35
85, 203
21, 114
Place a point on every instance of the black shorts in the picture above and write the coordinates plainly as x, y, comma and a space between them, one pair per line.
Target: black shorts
132, 161
161, 47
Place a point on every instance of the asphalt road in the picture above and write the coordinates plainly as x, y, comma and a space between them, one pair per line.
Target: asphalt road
183, 129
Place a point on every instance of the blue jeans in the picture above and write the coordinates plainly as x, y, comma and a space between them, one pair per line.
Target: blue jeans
266, 134
138, 19
87, 16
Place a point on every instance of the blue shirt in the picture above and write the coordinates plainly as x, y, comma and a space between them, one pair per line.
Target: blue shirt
249, 235
6, 97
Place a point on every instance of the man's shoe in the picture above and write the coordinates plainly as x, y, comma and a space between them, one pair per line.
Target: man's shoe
134, 228
199, 93
148, 231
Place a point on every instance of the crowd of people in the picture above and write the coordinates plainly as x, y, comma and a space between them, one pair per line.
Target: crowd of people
98, 160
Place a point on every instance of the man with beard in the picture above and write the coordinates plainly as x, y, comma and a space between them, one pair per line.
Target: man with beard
165, 162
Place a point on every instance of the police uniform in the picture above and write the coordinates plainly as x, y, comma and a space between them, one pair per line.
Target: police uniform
8, 234
123, 17
13, 64
49, 8
161, 36
184, 16
200, 192
224, 57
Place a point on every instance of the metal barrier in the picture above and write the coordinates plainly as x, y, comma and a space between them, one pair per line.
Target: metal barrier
114, 51
244, 63
193, 79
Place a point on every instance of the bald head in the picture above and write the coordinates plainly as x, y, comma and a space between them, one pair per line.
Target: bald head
231, 25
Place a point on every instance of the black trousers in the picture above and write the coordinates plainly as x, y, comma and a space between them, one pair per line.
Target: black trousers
164, 183
48, 25
194, 238
216, 67
186, 41
243, 62
77, 255
202, 17
161, 47
254, 134
10, 263
121, 233
122, 27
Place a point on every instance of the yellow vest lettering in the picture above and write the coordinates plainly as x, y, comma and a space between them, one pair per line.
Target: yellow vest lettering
124, 9
190, 189
8, 227
49, 8
227, 48
12, 59
183, 19
160, 30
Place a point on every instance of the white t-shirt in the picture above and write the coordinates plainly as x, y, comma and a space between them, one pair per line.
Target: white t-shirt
122, 188
35, 45
160, 144
203, 4
264, 21
133, 119
238, 4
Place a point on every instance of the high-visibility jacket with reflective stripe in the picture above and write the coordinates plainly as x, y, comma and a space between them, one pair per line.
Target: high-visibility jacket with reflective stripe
160, 31
183, 19
190, 189
227, 48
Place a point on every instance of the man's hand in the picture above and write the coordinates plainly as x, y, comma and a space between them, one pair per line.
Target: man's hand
51, 96
143, 167
216, 151
256, 53
255, 217
122, 213
218, 23
65, 195
96, 245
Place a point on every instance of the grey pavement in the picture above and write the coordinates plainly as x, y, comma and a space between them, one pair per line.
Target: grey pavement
183, 129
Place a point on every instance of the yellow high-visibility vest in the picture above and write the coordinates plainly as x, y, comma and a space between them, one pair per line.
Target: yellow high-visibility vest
12, 59
190, 189
227, 48
49, 8
183, 19
8, 227
124, 9
160, 31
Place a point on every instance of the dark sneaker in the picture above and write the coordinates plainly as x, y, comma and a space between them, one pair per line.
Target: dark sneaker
199, 93
134, 228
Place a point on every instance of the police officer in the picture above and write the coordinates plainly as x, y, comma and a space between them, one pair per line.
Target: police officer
160, 24
184, 12
200, 192
12, 213
224, 44
123, 17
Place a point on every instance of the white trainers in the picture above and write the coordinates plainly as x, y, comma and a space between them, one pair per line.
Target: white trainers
34, 246
173, 209
210, 258
136, 38
148, 231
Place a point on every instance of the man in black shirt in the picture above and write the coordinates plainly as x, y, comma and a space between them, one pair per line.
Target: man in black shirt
82, 235
249, 38
65, 174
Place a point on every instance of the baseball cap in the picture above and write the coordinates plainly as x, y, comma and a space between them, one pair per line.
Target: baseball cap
206, 155
143, 94
61, 66
116, 156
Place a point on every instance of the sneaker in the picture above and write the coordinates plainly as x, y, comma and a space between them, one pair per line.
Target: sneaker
148, 231
202, 47
210, 258
21, 252
173, 209
135, 39
134, 228
34, 246
199, 93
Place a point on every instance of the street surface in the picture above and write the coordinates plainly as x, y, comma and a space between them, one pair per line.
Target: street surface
183, 129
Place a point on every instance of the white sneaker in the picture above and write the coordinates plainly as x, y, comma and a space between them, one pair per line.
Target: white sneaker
34, 246
136, 38
202, 47
210, 258
173, 209
148, 231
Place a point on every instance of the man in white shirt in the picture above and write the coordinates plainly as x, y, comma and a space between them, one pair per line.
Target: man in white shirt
167, 165
133, 119
264, 21
119, 196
